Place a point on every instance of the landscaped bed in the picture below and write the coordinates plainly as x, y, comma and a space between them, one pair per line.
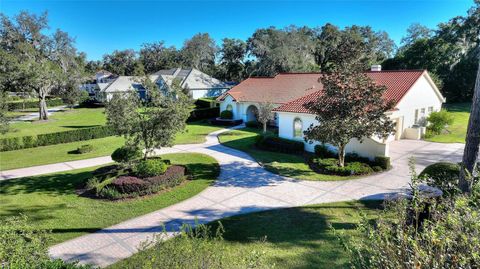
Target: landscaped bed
52, 201
295, 237
296, 164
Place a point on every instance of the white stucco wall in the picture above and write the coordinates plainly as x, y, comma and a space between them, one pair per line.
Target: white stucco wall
369, 148
421, 95
239, 109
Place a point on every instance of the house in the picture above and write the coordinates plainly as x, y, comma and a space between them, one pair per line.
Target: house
413, 91
197, 83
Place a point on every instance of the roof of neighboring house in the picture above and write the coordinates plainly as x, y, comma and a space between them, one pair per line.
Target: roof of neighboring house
123, 83
397, 82
191, 78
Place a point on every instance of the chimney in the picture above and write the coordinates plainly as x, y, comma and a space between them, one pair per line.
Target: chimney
376, 68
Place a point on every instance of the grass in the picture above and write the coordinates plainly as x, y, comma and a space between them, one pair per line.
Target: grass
50, 201
194, 133
289, 165
68, 119
296, 237
58, 153
457, 132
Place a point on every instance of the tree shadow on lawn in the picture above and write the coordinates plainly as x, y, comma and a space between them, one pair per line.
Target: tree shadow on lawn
35, 213
56, 184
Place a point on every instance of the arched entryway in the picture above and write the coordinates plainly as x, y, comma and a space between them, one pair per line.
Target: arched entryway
252, 112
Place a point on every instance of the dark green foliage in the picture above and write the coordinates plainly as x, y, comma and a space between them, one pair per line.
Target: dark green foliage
205, 103
129, 184
150, 168
204, 113
221, 122
15, 143
323, 151
277, 144
33, 104
330, 166
126, 154
23, 245
443, 175
226, 114
84, 149
354, 157
439, 120
253, 124
382, 161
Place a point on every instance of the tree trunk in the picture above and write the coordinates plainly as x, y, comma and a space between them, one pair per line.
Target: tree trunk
264, 127
470, 153
341, 155
43, 113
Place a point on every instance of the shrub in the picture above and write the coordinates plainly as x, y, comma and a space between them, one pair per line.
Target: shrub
354, 157
28, 142
126, 154
203, 113
226, 114
330, 166
23, 245
382, 161
439, 120
84, 149
172, 176
277, 144
323, 151
129, 184
33, 104
253, 124
443, 175
377, 168
110, 193
150, 168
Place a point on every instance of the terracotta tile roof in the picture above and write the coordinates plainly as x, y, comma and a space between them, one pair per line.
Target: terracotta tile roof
397, 82
280, 89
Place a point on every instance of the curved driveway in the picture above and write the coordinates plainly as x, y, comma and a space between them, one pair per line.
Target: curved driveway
244, 186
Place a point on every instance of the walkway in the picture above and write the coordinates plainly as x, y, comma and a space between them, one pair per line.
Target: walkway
244, 186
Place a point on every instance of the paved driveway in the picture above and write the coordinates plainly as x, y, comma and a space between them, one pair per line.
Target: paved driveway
244, 186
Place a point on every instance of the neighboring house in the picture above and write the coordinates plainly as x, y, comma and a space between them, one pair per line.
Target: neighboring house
198, 84
413, 92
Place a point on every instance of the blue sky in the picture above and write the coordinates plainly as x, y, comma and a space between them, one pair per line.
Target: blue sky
103, 26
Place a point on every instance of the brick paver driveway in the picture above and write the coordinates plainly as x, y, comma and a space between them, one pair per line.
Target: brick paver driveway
244, 186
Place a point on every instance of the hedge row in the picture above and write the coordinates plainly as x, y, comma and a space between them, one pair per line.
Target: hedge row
33, 104
205, 102
277, 144
24, 142
204, 113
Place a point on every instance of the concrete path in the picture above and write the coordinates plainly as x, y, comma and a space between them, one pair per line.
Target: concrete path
244, 186
34, 116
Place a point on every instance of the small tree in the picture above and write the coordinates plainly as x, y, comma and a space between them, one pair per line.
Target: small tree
439, 120
151, 124
74, 96
351, 106
265, 114
3, 113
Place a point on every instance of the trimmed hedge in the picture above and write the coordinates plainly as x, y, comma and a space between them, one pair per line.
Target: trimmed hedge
33, 104
277, 144
383, 162
204, 113
84, 149
24, 142
330, 166
149, 168
226, 115
323, 151
253, 124
443, 175
205, 103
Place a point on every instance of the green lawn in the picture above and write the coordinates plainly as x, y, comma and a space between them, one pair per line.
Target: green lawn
283, 164
50, 201
457, 132
194, 133
59, 121
296, 237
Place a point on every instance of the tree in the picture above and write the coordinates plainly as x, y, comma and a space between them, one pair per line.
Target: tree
470, 153
123, 63
233, 53
199, 52
151, 124
155, 56
415, 32
265, 114
74, 96
3, 112
351, 106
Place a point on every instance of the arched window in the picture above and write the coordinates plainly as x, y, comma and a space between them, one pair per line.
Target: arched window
297, 127
229, 107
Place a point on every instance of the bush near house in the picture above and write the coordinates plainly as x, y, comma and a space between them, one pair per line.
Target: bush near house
330, 167
203, 113
277, 144
253, 124
17, 105
226, 115
438, 121
14, 143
